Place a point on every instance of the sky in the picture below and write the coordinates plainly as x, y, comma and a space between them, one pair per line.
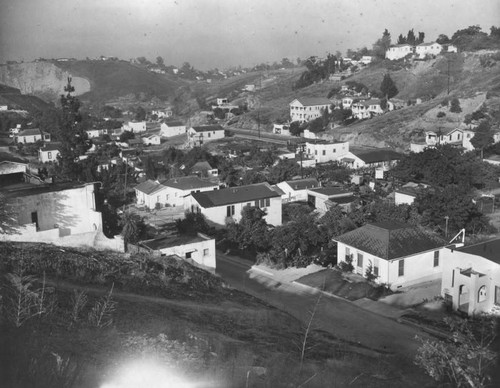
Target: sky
222, 33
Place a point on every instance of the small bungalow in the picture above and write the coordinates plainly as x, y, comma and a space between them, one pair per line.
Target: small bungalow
380, 157
177, 189
204, 170
31, 136
152, 139
172, 128
150, 194
199, 135
296, 190
323, 198
48, 153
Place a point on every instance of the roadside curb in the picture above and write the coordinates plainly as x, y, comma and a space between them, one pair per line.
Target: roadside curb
262, 270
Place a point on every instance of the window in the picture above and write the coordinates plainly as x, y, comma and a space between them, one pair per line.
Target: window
375, 266
205, 252
347, 251
401, 268
334, 150
49, 155
188, 255
360, 260
230, 211
436, 258
481, 295
315, 152
157, 198
324, 152
209, 134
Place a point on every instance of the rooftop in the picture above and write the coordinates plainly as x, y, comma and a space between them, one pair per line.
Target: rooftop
187, 183
30, 132
201, 166
50, 147
391, 240
489, 250
301, 184
171, 241
331, 191
232, 195
26, 189
174, 123
377, 155
312, 101
148, 187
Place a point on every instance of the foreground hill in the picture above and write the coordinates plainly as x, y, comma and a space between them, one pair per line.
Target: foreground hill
160, 312
13, 98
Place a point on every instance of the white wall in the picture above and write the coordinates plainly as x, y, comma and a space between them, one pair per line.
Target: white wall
403, 199
326, 152
150, 200
169, 131
43, 156
202, 252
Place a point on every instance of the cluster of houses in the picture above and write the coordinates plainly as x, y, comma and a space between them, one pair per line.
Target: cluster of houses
420, 51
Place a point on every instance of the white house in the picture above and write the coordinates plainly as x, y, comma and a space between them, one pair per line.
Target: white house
162, 113
400, 255
204, 169
94, 132
366, 59
347, 101
199, 135
471, 277
407, 194
451, 49
308, 108
48, 153
31, 136
135, 126
221, 206
377, 157
151, 139
172, 128
398, 51
296, 190
177, 189
323, 198
151, 194
360, 110
424, 49
374, 107
323, 151
453, 136
282, 129
199, 250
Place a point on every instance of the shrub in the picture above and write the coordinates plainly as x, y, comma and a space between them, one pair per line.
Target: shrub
444, 102
346, 266
369, 272
455, 106
441, 114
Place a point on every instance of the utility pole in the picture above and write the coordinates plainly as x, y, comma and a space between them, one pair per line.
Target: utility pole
446, 227
448, 62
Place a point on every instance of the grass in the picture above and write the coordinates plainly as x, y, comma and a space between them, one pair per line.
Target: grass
220, 340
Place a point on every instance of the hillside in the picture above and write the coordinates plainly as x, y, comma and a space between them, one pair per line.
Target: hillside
15, 100
164, 312
112, 79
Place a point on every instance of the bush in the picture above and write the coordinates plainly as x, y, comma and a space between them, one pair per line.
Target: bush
441, 114
444, 102
455, 106
346, 266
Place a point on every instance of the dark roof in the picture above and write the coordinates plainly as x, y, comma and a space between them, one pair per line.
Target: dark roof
201, 166
208, 128
27, 189
235, 195
311, 101
167, 242
301, 184
278, 190
174, 123
50, 147
187, 183
148, 187
377, 155
489, 250
343, 200
30, 132
391, 240
331, 191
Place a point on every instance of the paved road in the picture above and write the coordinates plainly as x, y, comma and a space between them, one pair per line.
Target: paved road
334, 315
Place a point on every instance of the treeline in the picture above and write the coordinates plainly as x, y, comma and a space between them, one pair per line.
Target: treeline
319, 69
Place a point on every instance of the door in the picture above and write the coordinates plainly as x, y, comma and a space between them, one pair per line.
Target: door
34, 219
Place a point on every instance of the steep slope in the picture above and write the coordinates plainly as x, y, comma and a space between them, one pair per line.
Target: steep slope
13, 98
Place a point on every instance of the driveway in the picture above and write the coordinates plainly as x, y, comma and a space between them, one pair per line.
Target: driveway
341, 318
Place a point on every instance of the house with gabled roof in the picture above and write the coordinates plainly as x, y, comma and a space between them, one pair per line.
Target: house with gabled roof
432, 48
199, 135
150, 193
172, 128
177, 189
323, 198
49, 153
398, 254
225, 205
151, 139
31, 136
296, 190
376, 157
308, 108
451, 136
471, 277
204, 170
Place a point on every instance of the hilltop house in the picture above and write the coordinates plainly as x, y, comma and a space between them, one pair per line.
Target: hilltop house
31, 136
94, 132
323, 198
381, 157
162, 113
198, 250
398, 51
347, 102
282, 129
151, 139
360, 110
221, 206
177, 189
308, 108
398, 254
471, 277
172, 128
199, 135
453, 136
48, 153
424, 49
296, 190
323, 151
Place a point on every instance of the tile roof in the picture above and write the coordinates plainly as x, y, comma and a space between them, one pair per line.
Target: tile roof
311, 101
301, 184
232, 195
489, 250
187, 183
377, 155
171, 241
149, 187
391, 240
207, 128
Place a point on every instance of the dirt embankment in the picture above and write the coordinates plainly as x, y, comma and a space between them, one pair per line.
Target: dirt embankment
42, 79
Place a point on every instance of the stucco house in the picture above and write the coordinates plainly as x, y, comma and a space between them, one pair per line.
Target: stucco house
204, 170
151, 139
452, 136
48, 153
224, 205
172, 128
296, 190
360, 110
323, 151
398, 51
308, 108
31, 136
94, 132
177, 189
471, 277
150, 193
323, 198
199, 135
432, 48
282, 129
198, 250
135, 126
407, 194
162, 113
347, 101
381, 157
399, 254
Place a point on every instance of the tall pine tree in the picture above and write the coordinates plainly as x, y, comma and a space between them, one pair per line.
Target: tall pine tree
388, 87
